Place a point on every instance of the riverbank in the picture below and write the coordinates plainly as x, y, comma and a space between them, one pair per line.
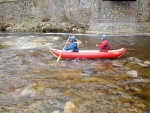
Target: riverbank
109, 17
43, 26
54, 26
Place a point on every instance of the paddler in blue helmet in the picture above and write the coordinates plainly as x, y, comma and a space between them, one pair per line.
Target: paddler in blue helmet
74, 44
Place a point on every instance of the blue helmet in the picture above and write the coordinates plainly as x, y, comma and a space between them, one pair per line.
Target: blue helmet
104, 36
73, 38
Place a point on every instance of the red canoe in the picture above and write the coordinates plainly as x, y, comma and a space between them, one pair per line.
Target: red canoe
89, 54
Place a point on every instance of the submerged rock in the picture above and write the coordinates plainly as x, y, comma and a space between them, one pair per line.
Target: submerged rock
142, 80
89, 71
143, 65
31, 92
134, 59
147, 62
139, 62
118, 63
70, 108
132, 73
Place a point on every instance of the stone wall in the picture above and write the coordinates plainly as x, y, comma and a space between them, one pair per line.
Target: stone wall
95, 15
15, 10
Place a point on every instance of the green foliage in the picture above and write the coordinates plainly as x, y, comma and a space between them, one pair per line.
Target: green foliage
7, 0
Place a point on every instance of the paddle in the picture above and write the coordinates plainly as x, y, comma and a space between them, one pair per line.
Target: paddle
62, 51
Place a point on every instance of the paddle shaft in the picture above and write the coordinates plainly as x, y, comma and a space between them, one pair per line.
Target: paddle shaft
62, 50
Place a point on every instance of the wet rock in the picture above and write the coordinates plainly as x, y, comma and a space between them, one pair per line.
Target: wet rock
133, 81
143, 65
89, 71
141, 105
38, 107
49, 92
122, 94
63, 99
147, 62
142, 80
134, 59
56, 112
132, 74
134, 89
139, 62
127, 105
118, 63
70, 108
112, 86
52, 104
29, 91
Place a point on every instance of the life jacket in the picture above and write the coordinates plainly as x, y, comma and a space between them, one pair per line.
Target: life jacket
105, 47
76, 49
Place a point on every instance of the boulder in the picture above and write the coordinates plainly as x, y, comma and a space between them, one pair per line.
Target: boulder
147, 62
70, 107
132, 74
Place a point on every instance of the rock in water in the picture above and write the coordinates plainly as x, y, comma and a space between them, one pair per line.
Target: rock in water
70, 108
132, 73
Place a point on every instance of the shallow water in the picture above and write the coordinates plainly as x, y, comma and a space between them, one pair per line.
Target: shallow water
32, 81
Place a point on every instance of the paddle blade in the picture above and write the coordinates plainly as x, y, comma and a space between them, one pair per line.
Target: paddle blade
58, 58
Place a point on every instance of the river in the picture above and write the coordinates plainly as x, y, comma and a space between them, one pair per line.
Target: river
32, 81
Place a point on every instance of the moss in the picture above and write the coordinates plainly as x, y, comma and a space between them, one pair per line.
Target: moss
92, 80
3, 46
40, 87
8, 0
34, 2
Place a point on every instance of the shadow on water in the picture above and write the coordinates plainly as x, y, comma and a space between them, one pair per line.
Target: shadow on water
32, 81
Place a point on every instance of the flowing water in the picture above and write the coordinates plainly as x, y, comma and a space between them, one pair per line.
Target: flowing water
31, 81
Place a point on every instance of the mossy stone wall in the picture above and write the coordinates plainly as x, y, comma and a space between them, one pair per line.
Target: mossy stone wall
96, 15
